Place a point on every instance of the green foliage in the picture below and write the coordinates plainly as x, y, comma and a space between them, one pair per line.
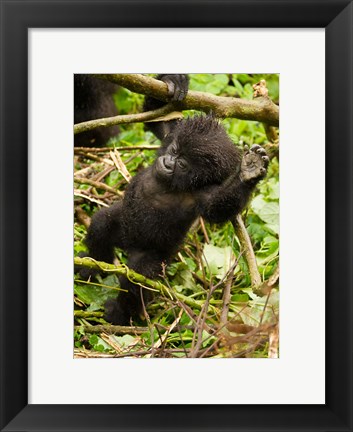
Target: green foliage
217, 260
215, 84
95, 295
128, 102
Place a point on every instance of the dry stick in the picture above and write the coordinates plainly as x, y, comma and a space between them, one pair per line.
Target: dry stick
262, 109
200, 325
201, 321
245, 242
267, 286
203, 227
149, 323
96, 158
80, 193
190, 313
121, 167
163, 338
98, 185
226, 297
100, 175
82, 216
122, 119
273, 342
178, 329
245, 338
84, 172
107, 149
79, 353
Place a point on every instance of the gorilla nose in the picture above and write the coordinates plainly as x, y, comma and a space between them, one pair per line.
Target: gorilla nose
169, 162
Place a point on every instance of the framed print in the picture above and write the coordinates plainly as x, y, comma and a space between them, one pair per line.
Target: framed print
45, 45
42, 386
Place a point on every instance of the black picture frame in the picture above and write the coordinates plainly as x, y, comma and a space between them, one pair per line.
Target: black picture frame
336, 16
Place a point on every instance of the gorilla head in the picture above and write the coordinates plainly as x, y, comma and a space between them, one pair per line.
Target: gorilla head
198, 153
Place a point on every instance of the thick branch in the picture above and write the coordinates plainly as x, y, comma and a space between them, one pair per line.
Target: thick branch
249, 254
261, 109
112, 329
139, 280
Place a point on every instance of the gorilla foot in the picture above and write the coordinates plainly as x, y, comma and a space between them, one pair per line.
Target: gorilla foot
254, 164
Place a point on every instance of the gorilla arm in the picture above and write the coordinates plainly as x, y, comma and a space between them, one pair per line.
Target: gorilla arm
220, 203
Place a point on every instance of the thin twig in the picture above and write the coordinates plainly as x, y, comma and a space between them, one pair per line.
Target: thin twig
122, 119
82, 194
203, 227
120, 165
81, 150
226, 298
98, 185
96, 158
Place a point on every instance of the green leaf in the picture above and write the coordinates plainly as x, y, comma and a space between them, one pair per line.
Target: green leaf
96, 296
267, 211
231, 91
261, 309
238, 86
93, 340
124, 341
218, 260
210, 83
240, 298
113, 178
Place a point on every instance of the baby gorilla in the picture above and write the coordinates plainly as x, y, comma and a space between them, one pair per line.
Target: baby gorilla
198, 172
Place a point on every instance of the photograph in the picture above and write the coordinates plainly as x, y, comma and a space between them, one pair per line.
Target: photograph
176, 215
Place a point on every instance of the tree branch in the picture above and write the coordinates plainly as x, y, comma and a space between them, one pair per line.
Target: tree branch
245, 242
261, 109
123, 119
139, 280
111, 329
98, 185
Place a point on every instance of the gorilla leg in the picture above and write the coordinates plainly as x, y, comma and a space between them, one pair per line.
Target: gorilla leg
129, 304
103, 235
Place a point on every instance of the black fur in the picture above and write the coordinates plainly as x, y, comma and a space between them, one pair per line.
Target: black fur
93, 99
198, 172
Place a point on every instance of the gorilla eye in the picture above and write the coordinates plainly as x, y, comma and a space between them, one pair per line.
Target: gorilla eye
174, 150
182, 164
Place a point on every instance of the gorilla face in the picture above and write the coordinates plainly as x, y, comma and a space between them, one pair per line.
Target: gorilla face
197, 154
173, 167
